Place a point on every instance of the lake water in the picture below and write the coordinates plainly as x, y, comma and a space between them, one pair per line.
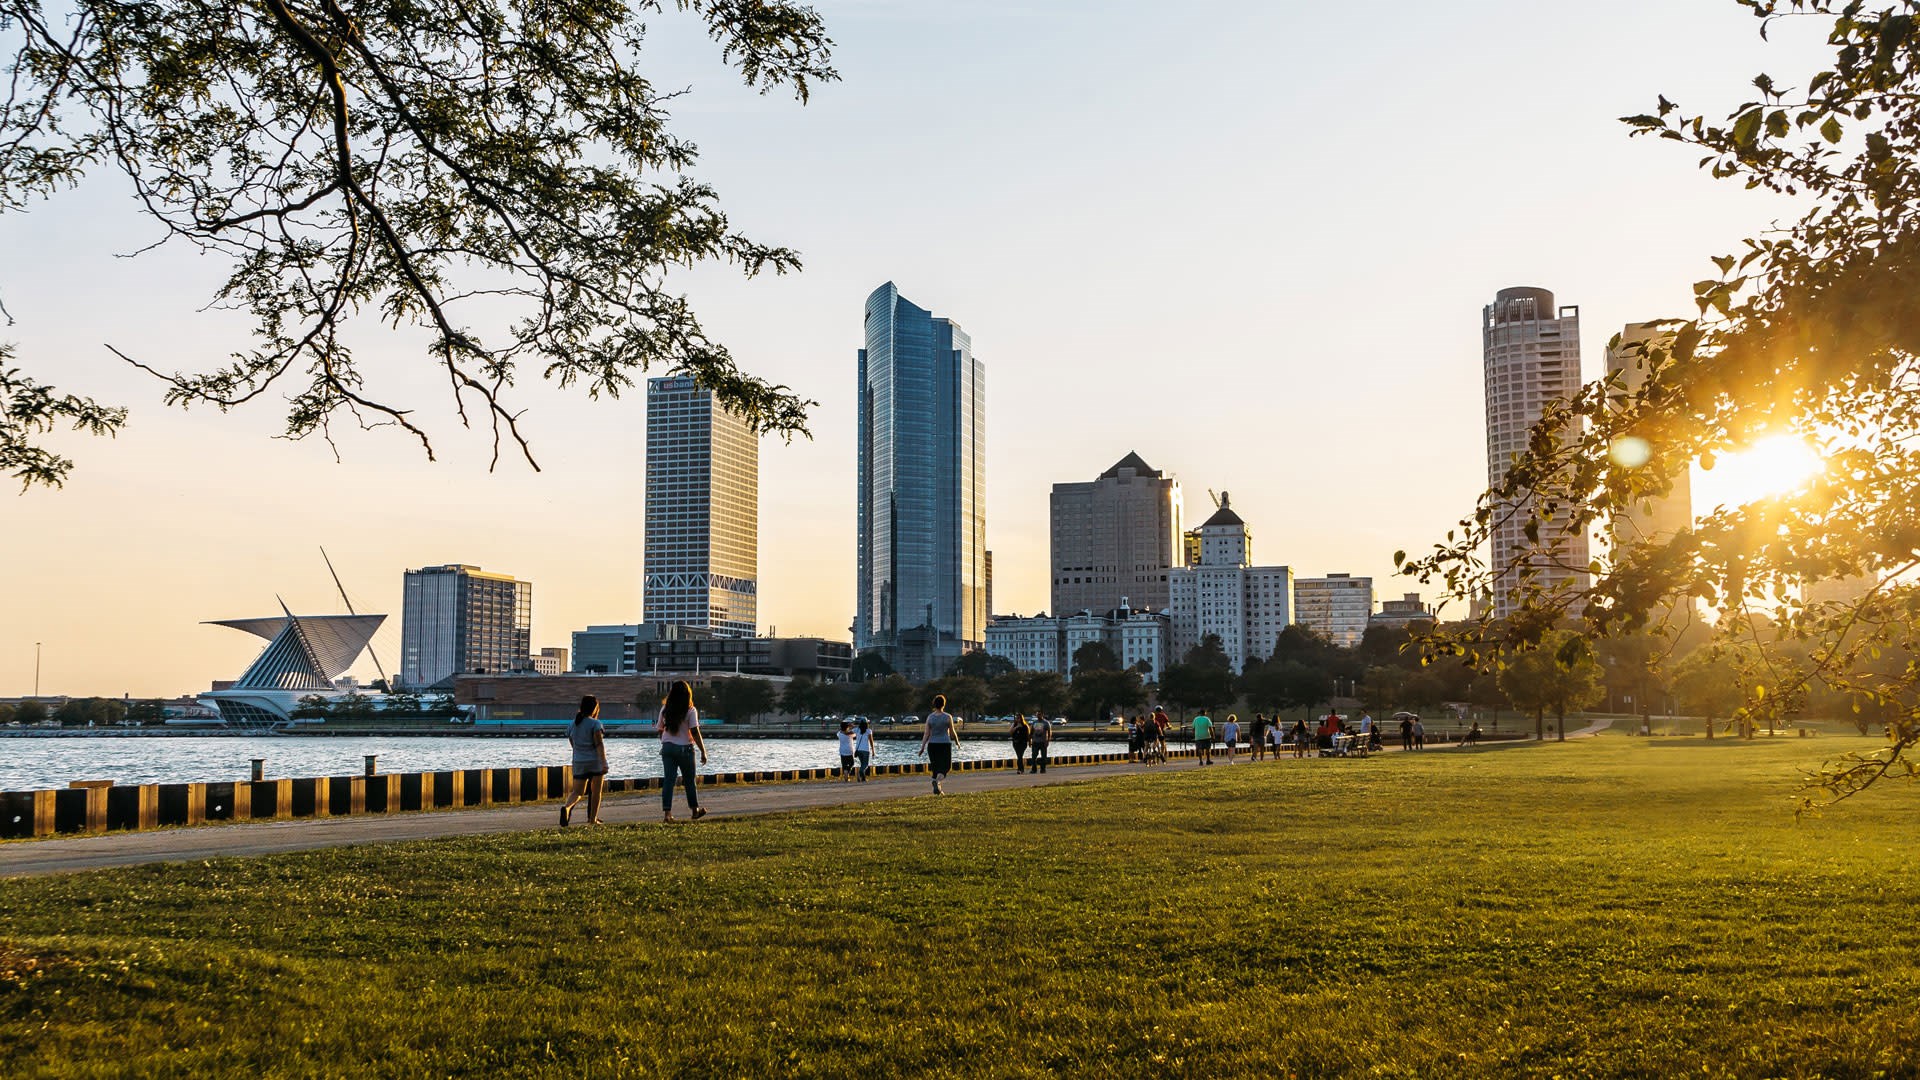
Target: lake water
29, 763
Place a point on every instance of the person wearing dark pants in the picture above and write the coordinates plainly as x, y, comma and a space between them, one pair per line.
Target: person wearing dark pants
679, 738
1022, 734
1042, 742
937, 740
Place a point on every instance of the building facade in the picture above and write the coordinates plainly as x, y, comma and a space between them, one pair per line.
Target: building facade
1040, 643
703, 512
1530, 357
461, 620
922, 573
1114, 539
1336, 606
1406, 611
1660, 517
1225, 595
620, 649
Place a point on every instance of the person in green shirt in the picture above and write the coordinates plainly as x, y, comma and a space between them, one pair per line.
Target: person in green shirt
1203, 738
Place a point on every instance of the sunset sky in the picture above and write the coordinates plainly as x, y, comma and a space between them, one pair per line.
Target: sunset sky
1249, 241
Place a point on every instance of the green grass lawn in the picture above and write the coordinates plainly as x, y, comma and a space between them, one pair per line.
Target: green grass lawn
1608, 907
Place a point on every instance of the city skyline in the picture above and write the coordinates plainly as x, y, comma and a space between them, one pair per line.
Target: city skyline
1313, 304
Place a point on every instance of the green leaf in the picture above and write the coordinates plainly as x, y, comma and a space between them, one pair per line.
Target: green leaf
1831, 130
1746, 128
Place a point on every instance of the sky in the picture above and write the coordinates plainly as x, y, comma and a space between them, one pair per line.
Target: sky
1249, 241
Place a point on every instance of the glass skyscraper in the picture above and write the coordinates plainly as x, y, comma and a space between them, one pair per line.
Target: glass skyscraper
703, 512
923, 573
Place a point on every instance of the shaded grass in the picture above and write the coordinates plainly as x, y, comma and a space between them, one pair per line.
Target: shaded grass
1598, 908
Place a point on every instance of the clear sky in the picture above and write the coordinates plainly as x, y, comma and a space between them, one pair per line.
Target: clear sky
1248, 240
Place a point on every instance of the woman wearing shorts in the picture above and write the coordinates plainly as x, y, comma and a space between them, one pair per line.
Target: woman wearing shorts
589, 740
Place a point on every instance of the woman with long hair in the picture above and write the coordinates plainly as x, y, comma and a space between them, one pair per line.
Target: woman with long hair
863, 747
937, 740
679, 737
1021, 734
588, 738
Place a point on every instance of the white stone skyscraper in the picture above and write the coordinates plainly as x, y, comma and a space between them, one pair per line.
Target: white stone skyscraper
1531, 351
1654, 519
1224, 595
703, 512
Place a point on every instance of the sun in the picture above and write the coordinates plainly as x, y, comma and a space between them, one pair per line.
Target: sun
1776, 465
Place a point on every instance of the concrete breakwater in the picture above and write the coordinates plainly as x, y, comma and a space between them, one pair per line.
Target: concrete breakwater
100, 806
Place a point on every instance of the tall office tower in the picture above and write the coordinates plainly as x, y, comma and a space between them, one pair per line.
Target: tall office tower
1337, 606
921, 569
460, 620
1532, 356
1659, 518
703, 512
1115, 539
1223, 594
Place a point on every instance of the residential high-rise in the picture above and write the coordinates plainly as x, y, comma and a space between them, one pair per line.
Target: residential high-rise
1658, 518
1225, 595
922, 575
1531, 353
461, 620
703, 512
1336, 606
1114, 539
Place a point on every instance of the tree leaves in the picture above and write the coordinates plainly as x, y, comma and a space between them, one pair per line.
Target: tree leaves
497, 173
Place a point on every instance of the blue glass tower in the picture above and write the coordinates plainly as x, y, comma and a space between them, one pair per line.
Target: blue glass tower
923, 572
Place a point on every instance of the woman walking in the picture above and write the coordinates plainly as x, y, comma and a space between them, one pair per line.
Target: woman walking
679, 737
863, 747
1021, 734
937, 740
846, 751
588, 738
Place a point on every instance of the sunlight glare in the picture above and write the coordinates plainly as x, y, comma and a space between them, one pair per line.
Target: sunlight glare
1775, 465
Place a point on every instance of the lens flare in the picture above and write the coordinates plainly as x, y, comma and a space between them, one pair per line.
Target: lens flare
1775, 465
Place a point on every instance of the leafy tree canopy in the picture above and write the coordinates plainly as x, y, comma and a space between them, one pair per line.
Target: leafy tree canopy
498, 173
1095, 656
1809, 331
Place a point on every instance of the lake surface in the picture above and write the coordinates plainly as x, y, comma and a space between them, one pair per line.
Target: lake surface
29, 763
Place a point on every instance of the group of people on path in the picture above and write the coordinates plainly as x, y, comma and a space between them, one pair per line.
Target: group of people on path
856, 750
1034, 737
679, 728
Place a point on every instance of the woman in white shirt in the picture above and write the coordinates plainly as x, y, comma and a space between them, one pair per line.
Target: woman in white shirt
863, 747
846, 751
679, 737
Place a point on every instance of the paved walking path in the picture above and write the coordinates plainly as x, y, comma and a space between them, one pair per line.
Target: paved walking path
76, 853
